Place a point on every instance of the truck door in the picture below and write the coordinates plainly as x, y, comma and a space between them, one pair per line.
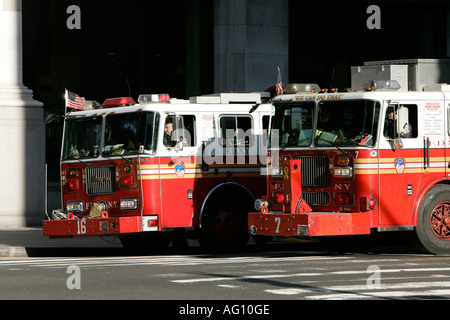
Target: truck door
178, 170
401, 162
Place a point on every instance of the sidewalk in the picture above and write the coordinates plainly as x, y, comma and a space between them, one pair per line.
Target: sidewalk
26, 242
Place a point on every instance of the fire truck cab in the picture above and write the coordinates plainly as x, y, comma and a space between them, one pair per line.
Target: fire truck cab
150, 170
367, 160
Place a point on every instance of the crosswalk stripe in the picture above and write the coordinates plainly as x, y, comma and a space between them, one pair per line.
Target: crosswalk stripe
153, 260
294, 275
361, 291
383, 294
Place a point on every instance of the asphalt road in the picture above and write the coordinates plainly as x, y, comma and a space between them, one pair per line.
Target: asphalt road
255, 278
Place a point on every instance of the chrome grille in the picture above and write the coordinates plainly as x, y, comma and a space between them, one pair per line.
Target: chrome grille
315, 171
100, 180
315, 199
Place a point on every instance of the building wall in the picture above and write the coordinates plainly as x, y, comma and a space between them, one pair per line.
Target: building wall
251, 40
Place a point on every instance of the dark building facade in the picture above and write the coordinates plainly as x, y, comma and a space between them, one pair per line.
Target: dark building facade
125, 48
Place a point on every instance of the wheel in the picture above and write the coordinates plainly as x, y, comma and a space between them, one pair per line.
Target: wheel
224, 225
145, 243
433, 220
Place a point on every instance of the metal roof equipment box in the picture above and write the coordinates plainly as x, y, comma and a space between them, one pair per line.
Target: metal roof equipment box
421, 72
362, 74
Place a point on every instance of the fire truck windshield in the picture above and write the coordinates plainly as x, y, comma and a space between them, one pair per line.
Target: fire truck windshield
339, 123
130, 133
82, 137
123, 134
294, 123
347, 123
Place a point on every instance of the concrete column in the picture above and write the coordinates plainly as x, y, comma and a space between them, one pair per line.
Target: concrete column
22, 130
250, 41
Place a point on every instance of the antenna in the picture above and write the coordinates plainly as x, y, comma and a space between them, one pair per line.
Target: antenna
332, 78
129, 90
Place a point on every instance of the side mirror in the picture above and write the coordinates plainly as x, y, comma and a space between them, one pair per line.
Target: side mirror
50, 118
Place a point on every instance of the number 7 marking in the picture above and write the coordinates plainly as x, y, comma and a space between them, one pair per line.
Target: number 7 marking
278, 222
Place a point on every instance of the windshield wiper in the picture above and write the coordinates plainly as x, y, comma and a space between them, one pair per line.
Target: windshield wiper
345, 152
70, 157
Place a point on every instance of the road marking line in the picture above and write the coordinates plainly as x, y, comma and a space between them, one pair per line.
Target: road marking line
293, 275
357, 291
384, 294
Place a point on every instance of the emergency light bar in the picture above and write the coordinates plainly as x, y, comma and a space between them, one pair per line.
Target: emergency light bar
301, 87
384, 85
153, 98
90, 105
119, 102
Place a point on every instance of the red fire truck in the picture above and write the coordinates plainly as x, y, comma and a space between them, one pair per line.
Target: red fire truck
161, 167
372, 159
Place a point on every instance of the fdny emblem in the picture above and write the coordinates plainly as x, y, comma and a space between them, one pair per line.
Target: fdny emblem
400, 165
180, 169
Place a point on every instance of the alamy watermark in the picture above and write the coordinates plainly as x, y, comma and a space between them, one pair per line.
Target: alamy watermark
237, 147
374, 280
74, 280
74, 20
374, 21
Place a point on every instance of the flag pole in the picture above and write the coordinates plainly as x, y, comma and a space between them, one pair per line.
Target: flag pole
65, 97
279, 86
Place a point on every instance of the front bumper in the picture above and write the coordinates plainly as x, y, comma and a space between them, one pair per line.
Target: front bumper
81, 228
313, 224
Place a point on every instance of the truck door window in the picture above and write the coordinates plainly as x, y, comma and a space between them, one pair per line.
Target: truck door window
168, 137
185, 130
406, 130
236, 130
189, 131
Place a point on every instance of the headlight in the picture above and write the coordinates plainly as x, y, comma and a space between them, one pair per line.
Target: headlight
75, 206
345, 172
129, 204
261, 203
277, 172
258, 204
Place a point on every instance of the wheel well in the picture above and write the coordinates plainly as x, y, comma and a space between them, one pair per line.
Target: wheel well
245, 196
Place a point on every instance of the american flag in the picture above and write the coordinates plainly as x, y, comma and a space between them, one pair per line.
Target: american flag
279, 85
74, 101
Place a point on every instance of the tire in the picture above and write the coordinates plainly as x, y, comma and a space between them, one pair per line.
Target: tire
433, 221
224, 225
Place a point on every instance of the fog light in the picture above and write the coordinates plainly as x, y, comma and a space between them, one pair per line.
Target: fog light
129, 204
346, 199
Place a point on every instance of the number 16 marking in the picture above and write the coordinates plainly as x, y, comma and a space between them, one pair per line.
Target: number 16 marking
81, 226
